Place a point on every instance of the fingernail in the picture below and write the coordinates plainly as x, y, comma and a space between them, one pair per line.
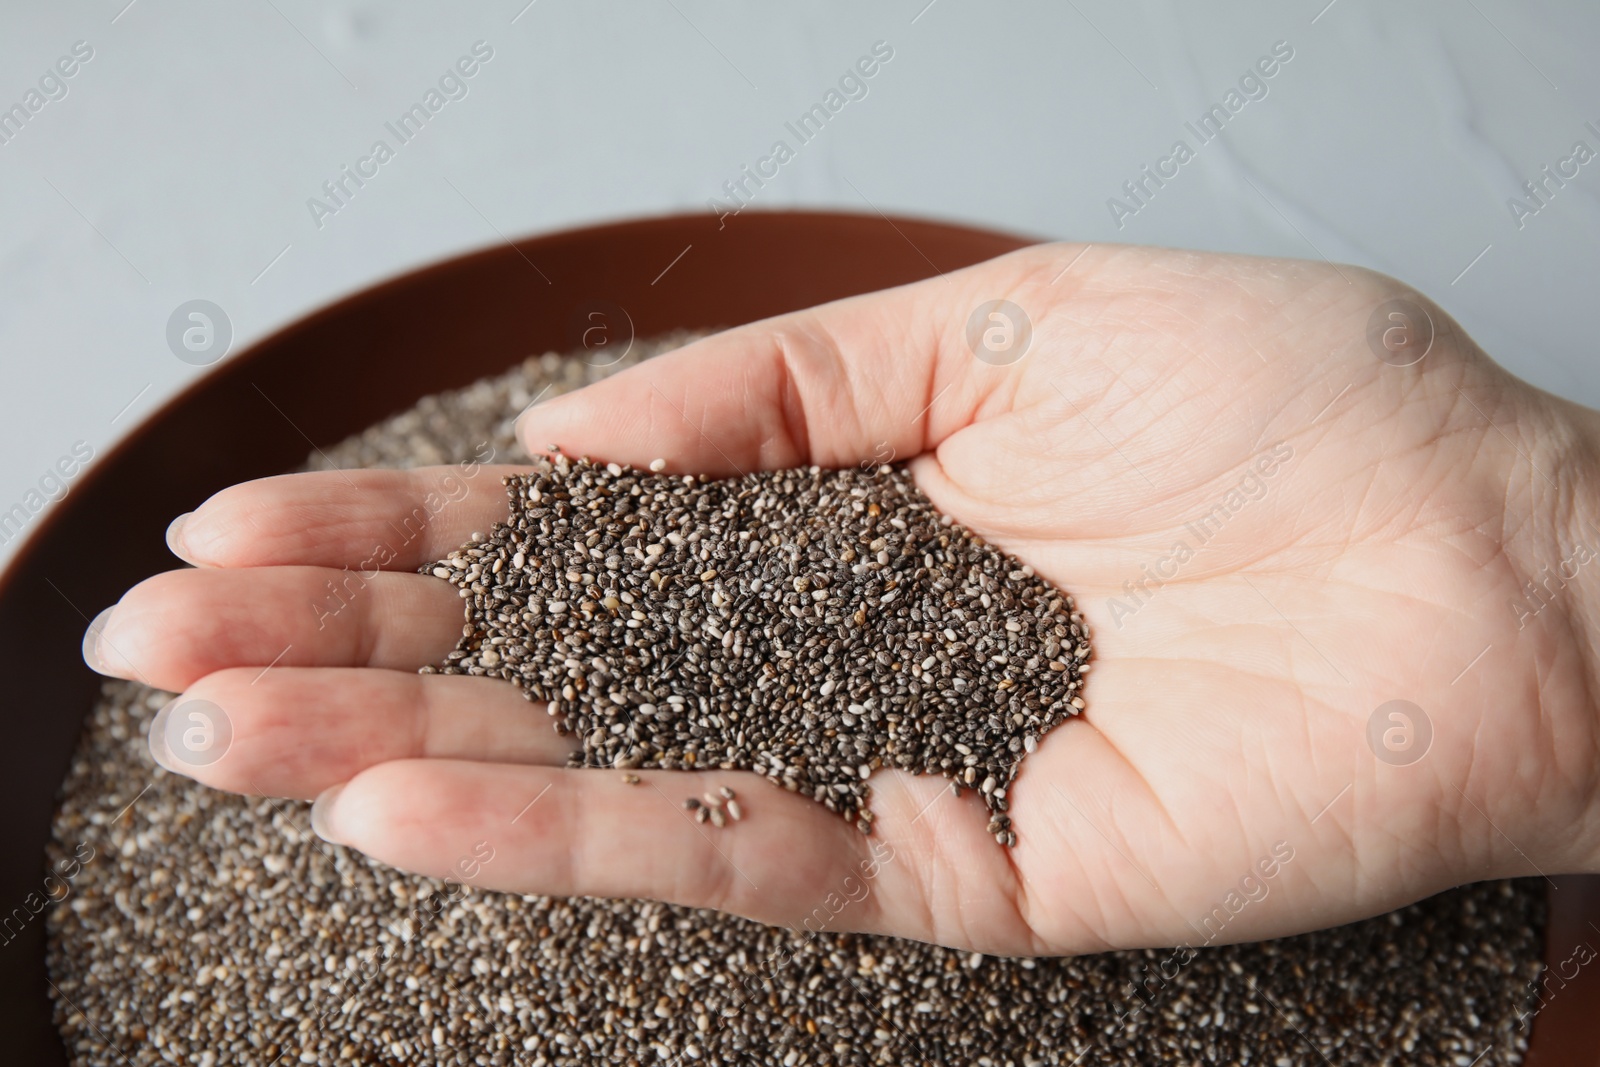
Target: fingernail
91, 642
175, 537
158, 737
321, 810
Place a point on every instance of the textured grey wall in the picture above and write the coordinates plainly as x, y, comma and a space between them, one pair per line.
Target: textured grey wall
177, 160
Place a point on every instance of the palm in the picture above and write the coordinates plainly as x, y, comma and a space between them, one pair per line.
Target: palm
1233, 679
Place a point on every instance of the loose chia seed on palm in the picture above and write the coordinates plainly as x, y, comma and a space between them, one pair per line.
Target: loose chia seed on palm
810, 625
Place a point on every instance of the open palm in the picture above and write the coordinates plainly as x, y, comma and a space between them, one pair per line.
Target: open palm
1273, 534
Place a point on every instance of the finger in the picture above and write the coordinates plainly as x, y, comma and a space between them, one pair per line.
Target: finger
171, 630
833, 385
563, 832
295, 731
364, 520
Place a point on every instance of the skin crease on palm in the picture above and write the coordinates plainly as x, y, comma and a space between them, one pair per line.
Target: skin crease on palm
1227, 714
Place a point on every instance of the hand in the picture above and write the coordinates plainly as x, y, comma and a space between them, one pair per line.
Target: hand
1272, 532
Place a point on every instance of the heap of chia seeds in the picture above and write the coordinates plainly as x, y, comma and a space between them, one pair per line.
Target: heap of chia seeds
810, 625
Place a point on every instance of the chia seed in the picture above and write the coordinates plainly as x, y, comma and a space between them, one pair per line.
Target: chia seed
818, 625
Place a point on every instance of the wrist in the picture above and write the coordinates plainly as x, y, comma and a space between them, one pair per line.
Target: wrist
1559, 578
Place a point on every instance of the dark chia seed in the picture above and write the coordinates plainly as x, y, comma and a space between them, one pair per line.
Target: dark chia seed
206, 928
810, 625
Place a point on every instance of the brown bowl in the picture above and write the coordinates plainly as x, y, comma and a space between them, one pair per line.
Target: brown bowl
372, 354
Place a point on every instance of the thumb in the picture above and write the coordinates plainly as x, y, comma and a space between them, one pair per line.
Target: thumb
870, 377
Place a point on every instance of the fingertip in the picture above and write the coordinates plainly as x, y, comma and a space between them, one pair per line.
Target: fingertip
114, 654
379, 811
206, 536
323, 821
156, 737
92, 642
175, 538
230, 526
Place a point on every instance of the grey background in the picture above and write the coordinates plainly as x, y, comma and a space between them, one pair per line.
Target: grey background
179, 164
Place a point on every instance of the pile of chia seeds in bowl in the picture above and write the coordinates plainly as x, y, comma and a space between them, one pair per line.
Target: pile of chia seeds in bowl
202, 927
